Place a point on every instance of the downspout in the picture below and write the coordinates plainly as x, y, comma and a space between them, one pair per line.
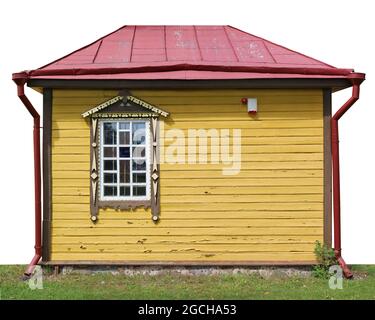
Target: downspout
356, 79
20, 80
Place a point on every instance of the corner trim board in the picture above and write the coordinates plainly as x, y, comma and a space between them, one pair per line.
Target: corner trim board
327, 112
47, 176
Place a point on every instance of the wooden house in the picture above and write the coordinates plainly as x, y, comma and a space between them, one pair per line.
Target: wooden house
185, 145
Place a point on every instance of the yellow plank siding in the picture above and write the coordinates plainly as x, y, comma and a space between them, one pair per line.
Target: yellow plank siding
78, 184
244, 141
209, 198
202, 123
173, 215
245, 132
192, 231
193, 223
214, 256
272, 210
196, 190
186, 240
174, 248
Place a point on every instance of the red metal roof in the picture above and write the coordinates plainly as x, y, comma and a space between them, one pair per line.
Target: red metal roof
185, 52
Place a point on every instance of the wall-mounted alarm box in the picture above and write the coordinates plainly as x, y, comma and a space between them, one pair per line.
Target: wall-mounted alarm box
252, 105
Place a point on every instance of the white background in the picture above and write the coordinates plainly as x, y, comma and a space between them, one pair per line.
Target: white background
36, 32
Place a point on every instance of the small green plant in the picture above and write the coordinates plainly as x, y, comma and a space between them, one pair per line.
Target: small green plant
326, 258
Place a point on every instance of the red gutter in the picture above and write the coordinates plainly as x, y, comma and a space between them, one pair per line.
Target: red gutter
356, 79
20, 80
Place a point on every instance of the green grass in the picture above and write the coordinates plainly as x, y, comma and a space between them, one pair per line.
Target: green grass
171, 286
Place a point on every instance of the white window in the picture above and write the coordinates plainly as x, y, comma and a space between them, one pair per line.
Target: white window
124, 160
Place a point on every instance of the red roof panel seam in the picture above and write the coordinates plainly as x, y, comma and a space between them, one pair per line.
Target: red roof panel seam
230, 43
197, 40
97, 51
165, 43
132, 43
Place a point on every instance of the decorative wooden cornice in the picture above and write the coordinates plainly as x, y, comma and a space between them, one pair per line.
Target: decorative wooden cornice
155, 111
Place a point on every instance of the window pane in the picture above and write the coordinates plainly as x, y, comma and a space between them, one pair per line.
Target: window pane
139, 164
124, 137
110, 133
110, 152
124, 171
124, 125
110, 191
139, 152
139, 191
110, 164
125, 191
139, 135
110, 177
124, 152
139, 177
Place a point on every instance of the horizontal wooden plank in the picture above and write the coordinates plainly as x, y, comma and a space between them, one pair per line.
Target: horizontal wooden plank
209, 198
187, 223
61, 174
186, 239
169, 154
214, 115
74, 162
203, 124
188, 256
174, 248
203, 231
141, 214
240, 124
217, 190
75, 110
84, 145
207, 182
83, 134
197, 207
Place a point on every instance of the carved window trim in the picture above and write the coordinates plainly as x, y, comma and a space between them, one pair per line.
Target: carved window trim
96, 202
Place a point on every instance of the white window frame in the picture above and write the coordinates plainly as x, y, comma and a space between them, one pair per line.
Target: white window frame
117, 145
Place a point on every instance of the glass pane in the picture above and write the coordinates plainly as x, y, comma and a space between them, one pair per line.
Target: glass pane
124, 137
110, 164
139, 164
139, 133
110, 152
139, 177
139, 152
124, 191
124, 152
110, 133
124, 171
110, 177
110, 191
139, 191
124, 125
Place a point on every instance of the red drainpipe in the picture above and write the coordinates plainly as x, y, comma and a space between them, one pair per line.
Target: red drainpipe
20, 80
356, 79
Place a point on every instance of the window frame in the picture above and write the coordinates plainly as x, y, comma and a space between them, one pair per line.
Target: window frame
123, 199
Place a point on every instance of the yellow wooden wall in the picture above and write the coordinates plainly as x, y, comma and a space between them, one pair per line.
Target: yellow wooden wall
271, 211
